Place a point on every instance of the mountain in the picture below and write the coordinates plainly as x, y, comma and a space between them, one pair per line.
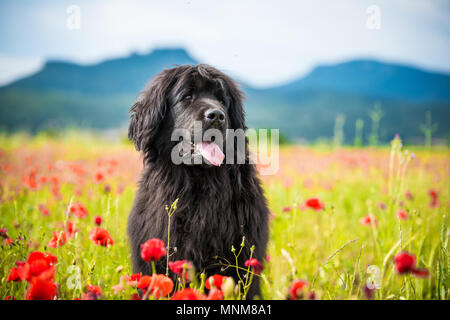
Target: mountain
374, 79
99, 96
67, 94
123, 75
307, 107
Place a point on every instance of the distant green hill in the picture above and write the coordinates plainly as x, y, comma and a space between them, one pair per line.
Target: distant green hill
123, 75
99, 96
373, 79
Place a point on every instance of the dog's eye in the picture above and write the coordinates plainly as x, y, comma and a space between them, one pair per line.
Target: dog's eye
187, 97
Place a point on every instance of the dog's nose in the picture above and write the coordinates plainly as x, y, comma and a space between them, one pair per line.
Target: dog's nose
215, 116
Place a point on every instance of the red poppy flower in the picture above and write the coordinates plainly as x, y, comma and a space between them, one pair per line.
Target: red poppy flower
287, 209
13, 275
78, 210
4, 233
39, 264
54, 180
215, 281
134, 279
314, 203
402, 215
420, 272
7, 167
44, 210
180, 266
188, 294
369, 292
7, 241
153, 250
255, 265
101, 237
98, 177
159, 284
215, 294
312, 295
78, 191
135, 296
98, 220
55, 192
433, 193
41, 289
144, 282
369, 220
162, 286
95, 289
408, 195
29, 180
296, 289
92, 293
70, 229
406, 263
10, 298
434, 198
58, 239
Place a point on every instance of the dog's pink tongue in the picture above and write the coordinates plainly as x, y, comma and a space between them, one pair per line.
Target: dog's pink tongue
211, 152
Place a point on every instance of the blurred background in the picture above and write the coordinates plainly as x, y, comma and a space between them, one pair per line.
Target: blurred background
342, 72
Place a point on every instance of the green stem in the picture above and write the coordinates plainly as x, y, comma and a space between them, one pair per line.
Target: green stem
168, 248
202, 284
170, 211
153, 268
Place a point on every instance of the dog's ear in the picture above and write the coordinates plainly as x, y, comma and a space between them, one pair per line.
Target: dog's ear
148, 113
235, 97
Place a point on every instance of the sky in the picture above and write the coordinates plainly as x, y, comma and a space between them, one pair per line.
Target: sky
264, 43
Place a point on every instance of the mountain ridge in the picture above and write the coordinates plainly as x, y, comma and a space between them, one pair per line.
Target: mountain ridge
397, 81
64, 92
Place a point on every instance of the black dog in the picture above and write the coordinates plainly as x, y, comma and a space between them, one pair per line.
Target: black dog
218, 204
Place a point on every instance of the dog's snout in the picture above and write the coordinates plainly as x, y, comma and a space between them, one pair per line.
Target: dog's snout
215, 116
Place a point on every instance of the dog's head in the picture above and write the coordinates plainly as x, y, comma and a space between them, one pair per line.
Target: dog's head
187, 109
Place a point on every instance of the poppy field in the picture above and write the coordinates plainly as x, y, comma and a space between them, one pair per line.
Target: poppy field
346, 223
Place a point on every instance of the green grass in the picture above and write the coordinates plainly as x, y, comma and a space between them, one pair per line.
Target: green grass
330, 248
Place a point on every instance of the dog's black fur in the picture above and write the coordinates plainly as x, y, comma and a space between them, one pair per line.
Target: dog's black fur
217, 205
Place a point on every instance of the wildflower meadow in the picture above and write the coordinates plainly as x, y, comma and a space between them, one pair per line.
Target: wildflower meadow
346, 223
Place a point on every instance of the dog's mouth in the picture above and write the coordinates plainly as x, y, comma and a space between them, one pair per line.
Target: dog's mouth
208, 150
